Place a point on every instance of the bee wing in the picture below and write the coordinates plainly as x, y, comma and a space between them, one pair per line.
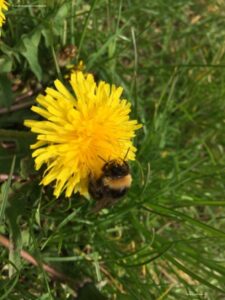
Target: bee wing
104, 203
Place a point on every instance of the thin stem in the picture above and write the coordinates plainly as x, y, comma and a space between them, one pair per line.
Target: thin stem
85, 28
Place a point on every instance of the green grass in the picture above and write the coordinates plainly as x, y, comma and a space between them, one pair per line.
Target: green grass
166, 239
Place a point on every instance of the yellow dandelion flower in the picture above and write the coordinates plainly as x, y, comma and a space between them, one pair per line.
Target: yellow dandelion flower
80, 130
3, 6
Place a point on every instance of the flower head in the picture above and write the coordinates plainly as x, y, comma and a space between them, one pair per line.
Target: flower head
81, 129
3, 6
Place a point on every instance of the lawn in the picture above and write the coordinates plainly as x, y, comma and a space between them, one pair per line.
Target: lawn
165, 239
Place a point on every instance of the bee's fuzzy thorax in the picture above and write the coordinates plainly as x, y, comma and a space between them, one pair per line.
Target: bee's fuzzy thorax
118, 183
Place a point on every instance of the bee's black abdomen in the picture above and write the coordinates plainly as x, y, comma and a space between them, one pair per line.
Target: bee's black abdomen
114, 193
99, 192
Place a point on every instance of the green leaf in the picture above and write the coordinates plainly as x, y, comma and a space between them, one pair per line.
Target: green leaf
29, 49
5, 191
55, 26
18, 197
6, 95
48, 36
7, 286
20, 140
89, 291
5, 64
27, 167
158, 209
193, 274
59, 18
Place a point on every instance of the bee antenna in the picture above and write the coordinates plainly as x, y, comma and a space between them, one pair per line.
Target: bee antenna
102, 158
126, 153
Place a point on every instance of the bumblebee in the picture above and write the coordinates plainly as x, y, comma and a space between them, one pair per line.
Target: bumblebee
113, 183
